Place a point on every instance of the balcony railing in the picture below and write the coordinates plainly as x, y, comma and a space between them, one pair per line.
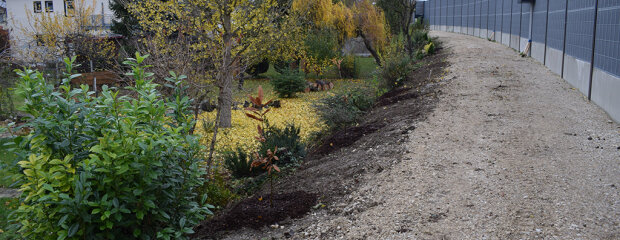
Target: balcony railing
100, 22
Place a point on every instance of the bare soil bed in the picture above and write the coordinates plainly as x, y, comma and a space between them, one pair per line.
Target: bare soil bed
340, 164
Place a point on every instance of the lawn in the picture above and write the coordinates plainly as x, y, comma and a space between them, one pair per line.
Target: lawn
298, 111
6, 206
7, 163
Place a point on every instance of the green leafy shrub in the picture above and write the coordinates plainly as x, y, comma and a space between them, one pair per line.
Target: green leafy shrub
239, 164
347, 67
288, 141
288, 83
218, 190
395, 70
343, 109
111, 166
419, 38
322, 45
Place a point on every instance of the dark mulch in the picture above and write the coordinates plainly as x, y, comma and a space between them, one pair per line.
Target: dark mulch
255, 213
346, 137
397, 98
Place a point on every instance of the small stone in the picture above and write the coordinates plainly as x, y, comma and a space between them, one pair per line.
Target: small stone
590, 138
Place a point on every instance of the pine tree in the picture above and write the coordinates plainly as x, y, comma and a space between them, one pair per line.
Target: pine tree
126, 25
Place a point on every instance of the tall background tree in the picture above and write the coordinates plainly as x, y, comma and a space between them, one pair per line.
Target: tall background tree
400, 16
224, 35
124, 23
348, 18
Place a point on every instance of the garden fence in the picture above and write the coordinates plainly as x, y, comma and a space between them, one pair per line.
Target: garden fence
577, 39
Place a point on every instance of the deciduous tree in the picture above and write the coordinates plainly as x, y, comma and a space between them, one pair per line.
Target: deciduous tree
226, 34
400, 16
362, 19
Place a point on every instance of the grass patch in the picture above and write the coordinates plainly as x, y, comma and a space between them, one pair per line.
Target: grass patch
7, 163
7, 205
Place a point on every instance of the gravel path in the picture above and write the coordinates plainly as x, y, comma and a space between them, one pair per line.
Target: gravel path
512, 151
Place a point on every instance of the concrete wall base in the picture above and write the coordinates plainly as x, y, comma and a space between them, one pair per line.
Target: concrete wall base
523, 44
605, 93
506, 39
514, 42
477, 32
538, 51
577, 73
554, 60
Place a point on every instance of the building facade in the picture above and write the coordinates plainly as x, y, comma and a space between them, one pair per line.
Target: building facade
17, 12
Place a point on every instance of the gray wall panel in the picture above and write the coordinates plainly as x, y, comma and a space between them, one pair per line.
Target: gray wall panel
477, 14
491, 22
555, 29
607, 50
458, 7
484, 18
525, 21
580, 29
471, 16
539, 28
444, 12
450, 15
506, 16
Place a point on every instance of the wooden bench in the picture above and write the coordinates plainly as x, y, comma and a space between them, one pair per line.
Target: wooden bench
103, 78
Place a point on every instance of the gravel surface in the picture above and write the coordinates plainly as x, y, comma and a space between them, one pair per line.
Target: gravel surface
8, 193
511, 151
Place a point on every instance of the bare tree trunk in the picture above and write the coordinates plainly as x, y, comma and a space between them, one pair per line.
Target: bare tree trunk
409, 10
370, 48
225, 76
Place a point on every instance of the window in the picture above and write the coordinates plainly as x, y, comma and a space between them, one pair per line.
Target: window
49, 6
69, 7
37, 6
70, 4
